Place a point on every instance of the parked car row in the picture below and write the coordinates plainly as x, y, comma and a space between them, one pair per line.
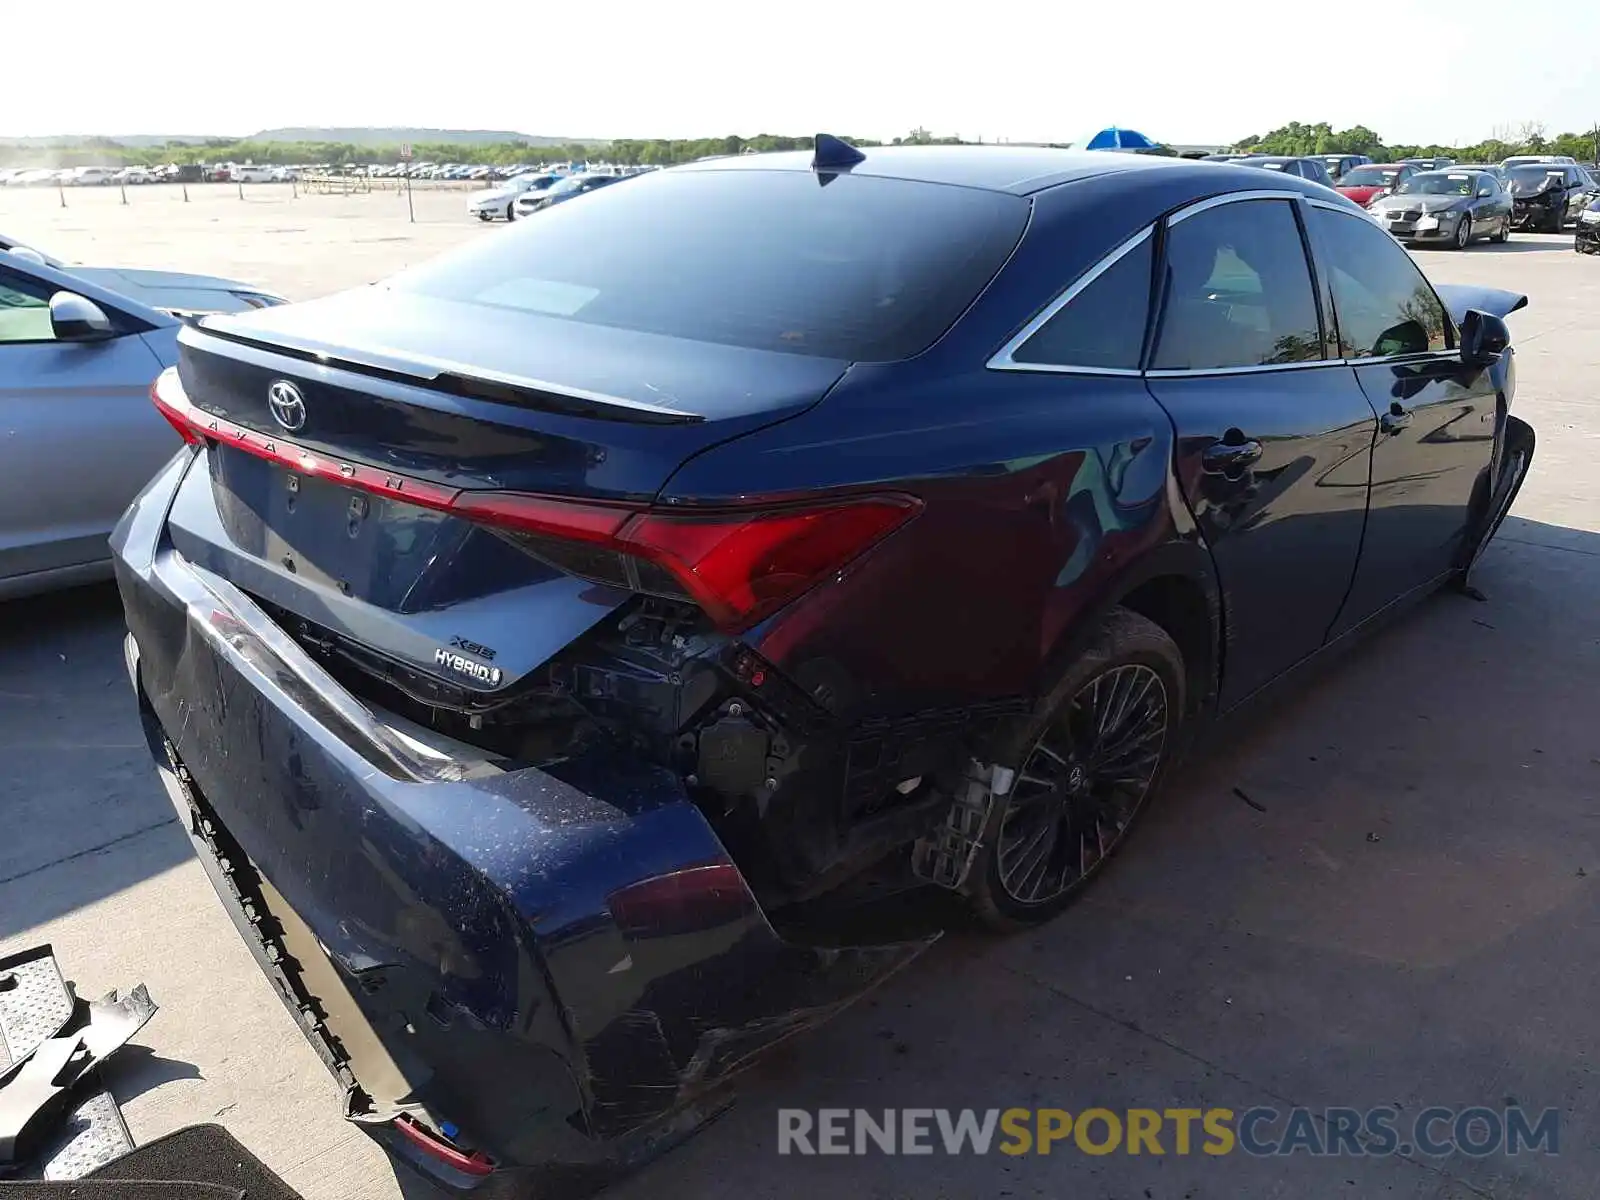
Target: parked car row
524, 194
1472, 200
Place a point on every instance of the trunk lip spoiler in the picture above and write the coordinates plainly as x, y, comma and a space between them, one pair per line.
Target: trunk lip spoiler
448, 377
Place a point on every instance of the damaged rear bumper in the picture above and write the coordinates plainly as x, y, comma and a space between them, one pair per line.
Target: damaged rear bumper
556, 970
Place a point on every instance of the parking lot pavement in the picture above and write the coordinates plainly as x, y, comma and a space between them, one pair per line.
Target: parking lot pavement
1381, 892
298, 245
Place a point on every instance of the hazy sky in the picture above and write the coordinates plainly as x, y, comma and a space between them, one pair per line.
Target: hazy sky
1180, 70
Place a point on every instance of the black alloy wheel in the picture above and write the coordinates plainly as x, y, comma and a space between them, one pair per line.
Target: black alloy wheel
1088, 765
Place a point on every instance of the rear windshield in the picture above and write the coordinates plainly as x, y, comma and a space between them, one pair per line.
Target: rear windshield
1536, 173
847, 267
1453, 184
1369, 176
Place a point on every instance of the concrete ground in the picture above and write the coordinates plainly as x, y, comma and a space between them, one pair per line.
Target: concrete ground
1382, 892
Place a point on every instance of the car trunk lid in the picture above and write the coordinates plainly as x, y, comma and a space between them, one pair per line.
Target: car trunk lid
367, 526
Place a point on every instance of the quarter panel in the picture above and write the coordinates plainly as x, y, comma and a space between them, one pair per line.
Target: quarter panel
1038, 491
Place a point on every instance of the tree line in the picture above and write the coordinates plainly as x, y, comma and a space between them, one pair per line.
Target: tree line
1295, 138
1530, 137
629, 151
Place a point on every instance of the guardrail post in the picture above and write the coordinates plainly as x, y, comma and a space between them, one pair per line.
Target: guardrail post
62, 192
240, 184
185, 185
124, 187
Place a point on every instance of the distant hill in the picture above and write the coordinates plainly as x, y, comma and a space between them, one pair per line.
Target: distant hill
355, 136
393, 136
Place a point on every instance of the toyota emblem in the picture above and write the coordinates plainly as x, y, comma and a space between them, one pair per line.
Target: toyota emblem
287, 404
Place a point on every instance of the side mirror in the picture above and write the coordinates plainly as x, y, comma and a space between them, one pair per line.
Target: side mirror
1484, 338
76, 319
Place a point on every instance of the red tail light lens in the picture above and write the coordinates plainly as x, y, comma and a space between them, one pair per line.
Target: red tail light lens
185, 430
739, 565
476, 1163
688, 901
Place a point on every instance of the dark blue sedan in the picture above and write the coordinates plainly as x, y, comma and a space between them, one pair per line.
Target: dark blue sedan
536, 642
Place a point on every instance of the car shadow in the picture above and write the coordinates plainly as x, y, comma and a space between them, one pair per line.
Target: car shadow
82, 815
1366, 897
1520, 243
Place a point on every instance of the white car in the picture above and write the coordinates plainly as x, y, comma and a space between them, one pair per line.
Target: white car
250, 174
501, 200
92, 176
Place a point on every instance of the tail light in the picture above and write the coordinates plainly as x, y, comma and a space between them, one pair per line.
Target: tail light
692, 900
437, 1146
738, 564
185, 430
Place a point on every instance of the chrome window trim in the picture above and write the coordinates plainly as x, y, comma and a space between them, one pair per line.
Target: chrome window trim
1349, 208
1004, 360
1256, 369
1200, 206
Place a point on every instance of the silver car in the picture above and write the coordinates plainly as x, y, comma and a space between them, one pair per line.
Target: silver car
79, 437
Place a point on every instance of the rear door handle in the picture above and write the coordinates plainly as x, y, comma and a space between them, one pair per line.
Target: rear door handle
1395, 419
1230, 457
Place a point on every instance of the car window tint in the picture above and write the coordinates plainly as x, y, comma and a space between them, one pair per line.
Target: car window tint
24, 311
1238, 290
1384, 303
841, 266
1103, 325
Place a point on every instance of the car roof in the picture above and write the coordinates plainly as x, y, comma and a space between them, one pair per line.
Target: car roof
1019, 170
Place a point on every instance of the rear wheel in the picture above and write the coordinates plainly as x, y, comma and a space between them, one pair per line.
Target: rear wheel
1504, 235
511, 211
1086, 764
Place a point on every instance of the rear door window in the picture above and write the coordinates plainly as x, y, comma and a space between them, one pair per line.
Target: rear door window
1102, 326
841, 266
1238, 290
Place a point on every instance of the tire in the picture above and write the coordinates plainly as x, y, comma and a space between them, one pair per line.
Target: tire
1463, 237
1132, 673
511, 212
1558, 220
483, 216
1504, 235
